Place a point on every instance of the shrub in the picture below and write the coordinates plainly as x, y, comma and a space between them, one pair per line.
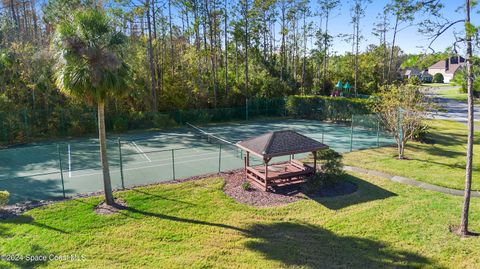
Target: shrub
331, 170
460, 79
422, 134
438, 78
4, 195
246, 186
330, 164
163, 121
414, 81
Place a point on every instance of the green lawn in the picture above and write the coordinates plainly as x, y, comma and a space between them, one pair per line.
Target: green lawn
194, 224
441, 163
436, 85
453, 93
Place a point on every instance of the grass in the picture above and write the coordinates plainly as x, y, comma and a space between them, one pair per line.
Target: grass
436, 85
194, 224
453, 93
441, 163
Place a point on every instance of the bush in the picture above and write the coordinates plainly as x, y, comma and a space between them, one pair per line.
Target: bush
330, 164
438, 78
331, 170
163, 121
246, 186
460, 79
414, 81
336, 109
422, 135
4, 195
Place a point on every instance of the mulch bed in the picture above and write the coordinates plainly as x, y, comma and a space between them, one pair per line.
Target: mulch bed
256, 197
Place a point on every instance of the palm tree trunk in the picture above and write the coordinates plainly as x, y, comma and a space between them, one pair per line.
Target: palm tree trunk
468, 168
107, 183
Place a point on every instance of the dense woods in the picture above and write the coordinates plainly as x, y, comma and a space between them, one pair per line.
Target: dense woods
203, 53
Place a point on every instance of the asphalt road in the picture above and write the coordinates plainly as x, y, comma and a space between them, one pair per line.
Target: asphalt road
452, 109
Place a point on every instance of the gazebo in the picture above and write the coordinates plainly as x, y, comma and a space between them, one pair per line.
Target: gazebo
276, 144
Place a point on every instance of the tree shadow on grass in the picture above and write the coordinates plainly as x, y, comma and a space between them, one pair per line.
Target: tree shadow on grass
314, 247
32, 250
366, 192
148, 195
176, 219
25, 219
35, 251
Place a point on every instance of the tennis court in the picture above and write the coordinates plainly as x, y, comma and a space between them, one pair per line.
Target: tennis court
35, 172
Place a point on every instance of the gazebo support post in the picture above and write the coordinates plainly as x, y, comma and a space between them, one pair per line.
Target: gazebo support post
266, 160
245, 162
314, 162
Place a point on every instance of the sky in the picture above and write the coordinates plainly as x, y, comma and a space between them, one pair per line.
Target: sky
409, 39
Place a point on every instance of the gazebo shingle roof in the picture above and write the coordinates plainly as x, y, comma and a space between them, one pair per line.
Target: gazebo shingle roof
280, 143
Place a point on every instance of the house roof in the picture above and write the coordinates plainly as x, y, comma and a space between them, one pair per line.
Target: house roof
454, 67
280, 143
450, 65
439, 65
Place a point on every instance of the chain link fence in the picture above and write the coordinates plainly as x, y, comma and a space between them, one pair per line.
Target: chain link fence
17, 127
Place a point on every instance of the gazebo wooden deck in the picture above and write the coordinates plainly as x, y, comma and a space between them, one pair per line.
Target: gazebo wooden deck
275, 144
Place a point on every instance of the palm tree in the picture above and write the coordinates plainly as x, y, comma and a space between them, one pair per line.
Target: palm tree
89, 65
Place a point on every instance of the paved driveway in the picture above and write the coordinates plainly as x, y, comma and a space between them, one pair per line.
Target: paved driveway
453, 109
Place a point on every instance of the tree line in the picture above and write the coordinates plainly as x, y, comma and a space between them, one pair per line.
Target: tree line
208, 53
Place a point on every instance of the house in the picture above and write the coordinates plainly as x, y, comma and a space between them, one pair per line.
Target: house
410, 72
447, 67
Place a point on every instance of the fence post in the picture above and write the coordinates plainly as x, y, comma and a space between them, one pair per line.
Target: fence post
61, 169
266, 107
121, 162
351, 136
25, 123
323, 132
62, 123
173, 164
246, 109
378, 133
220, 159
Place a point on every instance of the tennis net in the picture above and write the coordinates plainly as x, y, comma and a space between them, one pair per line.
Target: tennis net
213, 139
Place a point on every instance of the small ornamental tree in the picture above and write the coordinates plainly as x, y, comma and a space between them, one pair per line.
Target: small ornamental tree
438, 78
402, 110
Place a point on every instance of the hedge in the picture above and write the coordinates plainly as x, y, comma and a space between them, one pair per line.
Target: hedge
336, 109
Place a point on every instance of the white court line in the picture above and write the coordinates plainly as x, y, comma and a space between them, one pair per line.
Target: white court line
69, 161
151, 166
141, 151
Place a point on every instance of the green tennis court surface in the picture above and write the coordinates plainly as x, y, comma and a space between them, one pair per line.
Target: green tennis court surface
33, 172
